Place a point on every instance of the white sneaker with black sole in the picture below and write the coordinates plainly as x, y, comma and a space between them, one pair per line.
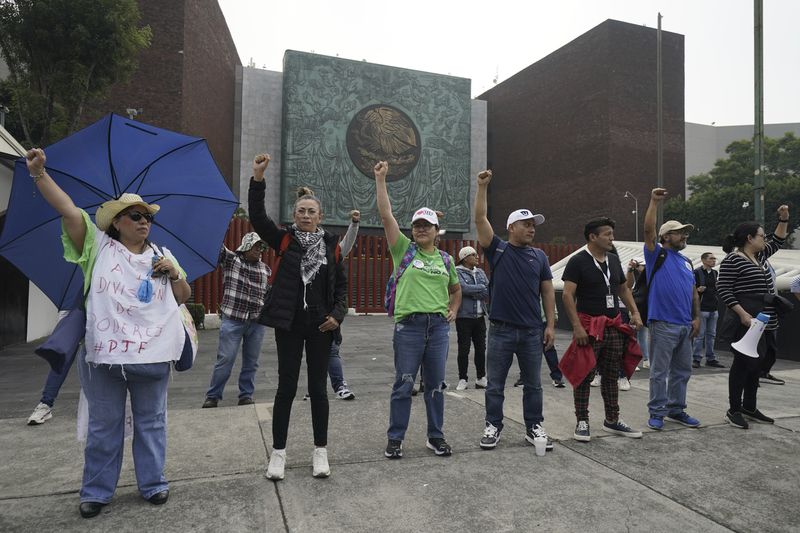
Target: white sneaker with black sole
462, 384
481, 383
345, 394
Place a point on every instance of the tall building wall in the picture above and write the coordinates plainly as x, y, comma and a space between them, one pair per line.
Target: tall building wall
568, 135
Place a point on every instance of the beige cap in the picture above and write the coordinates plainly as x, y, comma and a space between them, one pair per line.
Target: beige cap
673, 225
466, 252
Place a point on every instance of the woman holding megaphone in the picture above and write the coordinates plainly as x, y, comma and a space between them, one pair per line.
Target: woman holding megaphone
744, 281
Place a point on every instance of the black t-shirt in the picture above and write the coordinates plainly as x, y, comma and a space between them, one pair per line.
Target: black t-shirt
591, 288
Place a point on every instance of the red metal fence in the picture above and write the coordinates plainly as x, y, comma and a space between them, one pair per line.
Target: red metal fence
368, 266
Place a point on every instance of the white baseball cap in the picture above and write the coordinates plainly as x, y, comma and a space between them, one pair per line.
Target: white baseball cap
425, 214
466, 252
524, 214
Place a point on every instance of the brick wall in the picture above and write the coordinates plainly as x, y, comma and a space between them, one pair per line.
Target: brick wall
186, 78
568, 135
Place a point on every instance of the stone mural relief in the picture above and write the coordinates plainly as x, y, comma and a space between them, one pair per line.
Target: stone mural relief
340, 117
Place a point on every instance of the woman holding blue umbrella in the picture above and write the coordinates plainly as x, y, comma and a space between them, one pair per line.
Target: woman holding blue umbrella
134, 331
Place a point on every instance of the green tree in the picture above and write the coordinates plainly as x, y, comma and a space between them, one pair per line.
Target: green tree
723, 197
61, 53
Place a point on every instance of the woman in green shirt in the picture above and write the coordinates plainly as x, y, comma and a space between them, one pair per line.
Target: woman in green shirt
427, 299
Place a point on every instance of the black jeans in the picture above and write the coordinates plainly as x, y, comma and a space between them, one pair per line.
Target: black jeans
743, 378
290, 343
471, 330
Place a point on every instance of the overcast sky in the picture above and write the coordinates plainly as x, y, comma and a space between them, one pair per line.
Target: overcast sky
496, 39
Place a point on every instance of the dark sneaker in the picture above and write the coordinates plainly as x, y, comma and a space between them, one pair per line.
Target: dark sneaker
246, 401
621, 428
685, 419
538, 431
345, 394
439, 447
491, 436
210, 402
394, 449
695, 364
656, 422
518, 383
736, 420
758, 416
558, 383
769, 378
714, 364
582, 431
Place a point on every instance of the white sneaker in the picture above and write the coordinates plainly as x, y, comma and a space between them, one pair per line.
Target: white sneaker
596, 381
624, 384
462, 384
638, 368
320, 462
481, 383
646, 363
277, 464
40, 415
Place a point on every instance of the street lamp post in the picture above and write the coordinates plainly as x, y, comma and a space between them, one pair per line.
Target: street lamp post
635, 212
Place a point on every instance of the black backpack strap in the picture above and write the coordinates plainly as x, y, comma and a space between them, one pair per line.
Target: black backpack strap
662, 256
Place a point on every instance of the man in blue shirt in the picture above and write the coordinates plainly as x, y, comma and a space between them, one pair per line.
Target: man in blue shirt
520, 275
673, 316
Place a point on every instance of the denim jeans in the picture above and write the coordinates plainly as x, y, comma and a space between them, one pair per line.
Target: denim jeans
708, 331
670, 367
420, 339
504, 341
643, 338
232, 333
106, 388
55, 380
335, 370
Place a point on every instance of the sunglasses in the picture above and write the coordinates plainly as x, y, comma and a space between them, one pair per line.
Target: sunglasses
137, 216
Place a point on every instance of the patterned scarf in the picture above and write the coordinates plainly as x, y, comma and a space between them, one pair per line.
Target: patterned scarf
313, 252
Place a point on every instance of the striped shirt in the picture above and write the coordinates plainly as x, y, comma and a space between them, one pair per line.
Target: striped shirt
738, 275
795, 286
244, 286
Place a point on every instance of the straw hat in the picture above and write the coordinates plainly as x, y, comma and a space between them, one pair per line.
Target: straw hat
110, 209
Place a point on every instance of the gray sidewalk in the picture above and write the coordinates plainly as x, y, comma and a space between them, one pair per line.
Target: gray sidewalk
715, 478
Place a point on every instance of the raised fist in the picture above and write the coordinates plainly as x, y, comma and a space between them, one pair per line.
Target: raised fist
484, 177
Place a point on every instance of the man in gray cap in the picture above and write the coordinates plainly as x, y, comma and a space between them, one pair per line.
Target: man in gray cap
673, 310
520, 276
244, 287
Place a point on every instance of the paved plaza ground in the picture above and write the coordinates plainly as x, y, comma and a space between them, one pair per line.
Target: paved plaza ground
715, 478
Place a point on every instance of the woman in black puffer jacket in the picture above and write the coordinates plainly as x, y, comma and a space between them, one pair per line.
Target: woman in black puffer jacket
305, 306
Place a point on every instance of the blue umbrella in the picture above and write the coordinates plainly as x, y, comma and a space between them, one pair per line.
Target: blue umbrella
100, 162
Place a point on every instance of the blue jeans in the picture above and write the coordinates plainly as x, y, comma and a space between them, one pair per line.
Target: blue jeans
504, 342
643, 338
232, 333
670, 367
335, 370
55, 380
106, 388
708, 332
421, 339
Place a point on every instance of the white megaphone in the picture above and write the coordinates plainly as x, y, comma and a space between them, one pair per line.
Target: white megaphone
748, 345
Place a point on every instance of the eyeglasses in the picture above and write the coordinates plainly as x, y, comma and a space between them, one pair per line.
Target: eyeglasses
136, 216
679, 233
260, 246
421, 226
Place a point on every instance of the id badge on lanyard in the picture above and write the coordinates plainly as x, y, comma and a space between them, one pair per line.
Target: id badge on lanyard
607, 278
